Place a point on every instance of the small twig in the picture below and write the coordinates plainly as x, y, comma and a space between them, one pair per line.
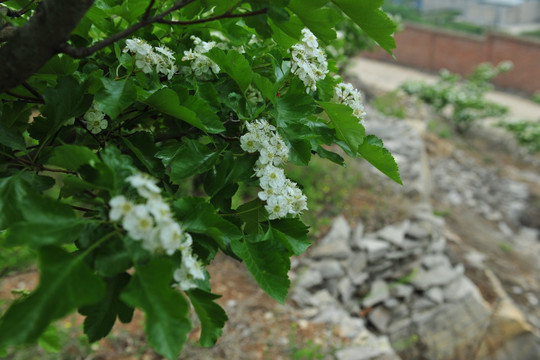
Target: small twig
21, 12
148, 9
226, 15
26, 98
81, 208
32, 90
44, 168
79, 53
101, 144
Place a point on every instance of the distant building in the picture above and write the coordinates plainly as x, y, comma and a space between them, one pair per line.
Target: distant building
494, 13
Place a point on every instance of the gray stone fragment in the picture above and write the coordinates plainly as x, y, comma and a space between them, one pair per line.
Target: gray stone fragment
395, 255
391, 303
329, 268
438, 245
322, 298
333, 250
532, 299
400, 311
356, 263
309, 278
372, 349
434, 260
346, 290
378, 293
379, 266
331, 314
339, 232
402, 291
374, 248
419, 230
301, 297
351, 328
399, 324
435, 294
380, 318
437, 276
357, 235
359, 279
394, 234
421, 303
461, 288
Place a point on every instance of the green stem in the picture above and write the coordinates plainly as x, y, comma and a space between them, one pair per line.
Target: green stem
99, 242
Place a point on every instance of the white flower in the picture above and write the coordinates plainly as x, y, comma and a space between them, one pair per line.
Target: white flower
281, 194
345, 93
159, 209
308, 61
138, 223
120, 207
201, 65
148, 57
145, 185
95, 120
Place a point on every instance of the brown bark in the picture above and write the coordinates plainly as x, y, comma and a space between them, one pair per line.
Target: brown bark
34, 43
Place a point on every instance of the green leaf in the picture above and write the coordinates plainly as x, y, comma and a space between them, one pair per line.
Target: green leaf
369, 16
347, 126
190, 158
71, 157
13, 191
67, 100
49, 340
11, 138
167, 102
321, 21
292, 233
115, 96
119, 165
230, 170
233, 64
373, 151
100, 317
294, 105
200, 217
45, 222
59, 65
65, 284
268, 262
167, 323
211, 315
205, 113
143, 146
252, 213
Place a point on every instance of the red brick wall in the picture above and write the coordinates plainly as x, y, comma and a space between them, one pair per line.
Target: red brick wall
434, 49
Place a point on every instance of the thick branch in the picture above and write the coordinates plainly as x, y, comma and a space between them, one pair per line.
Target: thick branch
33, 44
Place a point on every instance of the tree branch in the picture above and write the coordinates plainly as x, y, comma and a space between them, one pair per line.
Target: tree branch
38, 100
79, 53
226, 15
34, 43
148, 9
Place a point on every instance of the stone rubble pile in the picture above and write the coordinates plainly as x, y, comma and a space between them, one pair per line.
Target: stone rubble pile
461, 181
392, 288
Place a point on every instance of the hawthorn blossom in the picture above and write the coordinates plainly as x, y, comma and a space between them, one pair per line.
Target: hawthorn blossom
345, 93
309, 61
148, 58
200, 64
151, 223
95, 120
280, 193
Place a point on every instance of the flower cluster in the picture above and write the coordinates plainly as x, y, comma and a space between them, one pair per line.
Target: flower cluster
95, 120
282, 196
200, 64
148, 57
345, 93
308, 61
152, 223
